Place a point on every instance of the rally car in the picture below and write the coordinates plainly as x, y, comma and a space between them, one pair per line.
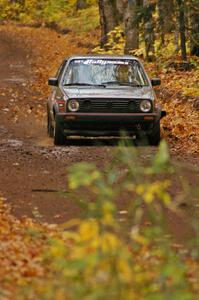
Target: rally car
102, 96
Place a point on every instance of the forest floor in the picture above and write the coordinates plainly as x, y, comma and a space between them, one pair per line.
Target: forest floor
33, 170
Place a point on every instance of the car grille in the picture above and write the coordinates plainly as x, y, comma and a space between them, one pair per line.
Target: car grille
110, 105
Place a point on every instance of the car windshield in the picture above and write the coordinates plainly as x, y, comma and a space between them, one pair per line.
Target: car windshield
105, 72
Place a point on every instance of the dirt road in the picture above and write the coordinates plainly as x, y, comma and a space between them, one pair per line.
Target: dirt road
33, 171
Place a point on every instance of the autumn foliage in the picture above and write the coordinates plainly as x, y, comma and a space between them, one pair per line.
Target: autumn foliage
107, 253
178, 94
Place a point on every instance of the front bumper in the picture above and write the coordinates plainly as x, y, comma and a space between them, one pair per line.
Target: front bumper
95, 124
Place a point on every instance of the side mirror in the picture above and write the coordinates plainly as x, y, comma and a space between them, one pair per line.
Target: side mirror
155, 81
53, 81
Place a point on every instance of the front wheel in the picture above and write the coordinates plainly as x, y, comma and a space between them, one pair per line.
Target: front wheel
154, 137
59, 138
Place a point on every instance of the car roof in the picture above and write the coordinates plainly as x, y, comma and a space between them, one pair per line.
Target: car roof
102, 56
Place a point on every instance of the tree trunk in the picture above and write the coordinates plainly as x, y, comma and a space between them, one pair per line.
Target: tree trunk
121, 6
109, 18
161, 20
194, 20
181, 20
149, 36
131, 26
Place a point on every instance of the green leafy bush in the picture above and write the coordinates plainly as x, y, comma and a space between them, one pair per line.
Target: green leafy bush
111, 254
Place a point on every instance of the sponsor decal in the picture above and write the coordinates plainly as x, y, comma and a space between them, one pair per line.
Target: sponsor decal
101, 62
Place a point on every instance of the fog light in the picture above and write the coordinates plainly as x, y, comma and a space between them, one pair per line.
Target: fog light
73, 105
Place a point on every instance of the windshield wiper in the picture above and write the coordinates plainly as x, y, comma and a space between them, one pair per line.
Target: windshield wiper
122, 83
83, 84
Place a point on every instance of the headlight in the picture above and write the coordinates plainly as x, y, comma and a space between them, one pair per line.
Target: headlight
145, 105
73, 105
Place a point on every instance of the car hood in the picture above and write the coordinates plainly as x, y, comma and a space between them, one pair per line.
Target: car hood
109, 92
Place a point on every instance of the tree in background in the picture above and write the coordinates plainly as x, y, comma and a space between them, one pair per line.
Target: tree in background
194, 23
149, 34
149, 20
165, 19
181, 20
131, 24
109, 18
152, 23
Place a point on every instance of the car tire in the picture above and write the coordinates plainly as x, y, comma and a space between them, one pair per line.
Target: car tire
154, 137
50, 128
59, 137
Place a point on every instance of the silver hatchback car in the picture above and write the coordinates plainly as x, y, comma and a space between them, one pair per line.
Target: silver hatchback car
100, 96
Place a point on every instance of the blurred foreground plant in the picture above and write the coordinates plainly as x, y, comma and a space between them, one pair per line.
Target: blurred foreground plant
111, 254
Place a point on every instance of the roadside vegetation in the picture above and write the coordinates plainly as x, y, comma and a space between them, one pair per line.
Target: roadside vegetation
108, 253
64, 16
111, 252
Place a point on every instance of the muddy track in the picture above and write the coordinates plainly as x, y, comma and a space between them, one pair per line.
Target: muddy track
33, 171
